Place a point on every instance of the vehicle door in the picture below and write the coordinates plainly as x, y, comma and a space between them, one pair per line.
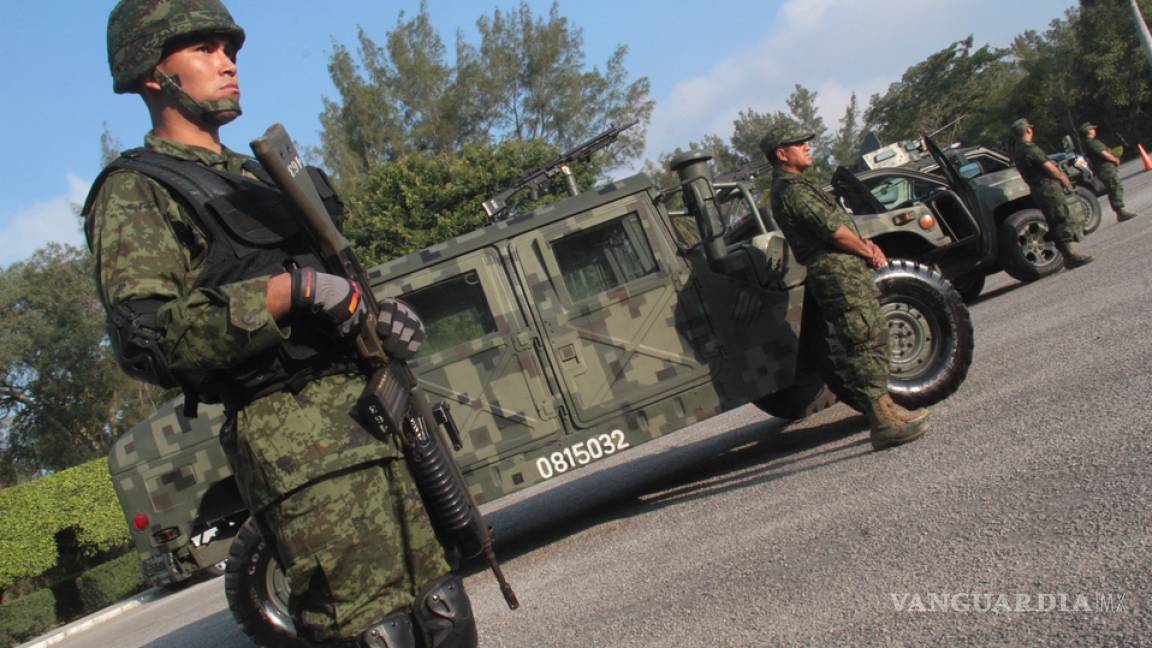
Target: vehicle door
623, 323
480, 356
967, 195
855, 195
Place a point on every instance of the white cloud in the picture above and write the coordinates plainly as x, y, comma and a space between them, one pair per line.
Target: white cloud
833, 47
54, 219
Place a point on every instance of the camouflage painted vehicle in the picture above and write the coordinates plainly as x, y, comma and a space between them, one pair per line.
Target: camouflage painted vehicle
973, 197
560, 337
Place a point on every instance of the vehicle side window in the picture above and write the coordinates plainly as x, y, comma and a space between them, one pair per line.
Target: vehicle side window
454, 311
601, 258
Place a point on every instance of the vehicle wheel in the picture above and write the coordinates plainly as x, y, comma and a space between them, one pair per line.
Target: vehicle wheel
807, 396
1025, 253
257, 591
929, 331
1093, 213
969, 285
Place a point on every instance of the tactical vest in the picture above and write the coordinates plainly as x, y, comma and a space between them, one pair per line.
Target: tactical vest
251, 232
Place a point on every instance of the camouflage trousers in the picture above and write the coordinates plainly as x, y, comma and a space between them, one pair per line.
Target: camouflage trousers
338, 505
1049, 196
1111, 179
842, 286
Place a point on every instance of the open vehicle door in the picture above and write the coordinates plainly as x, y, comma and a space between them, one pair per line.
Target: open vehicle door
855, 195
958, 182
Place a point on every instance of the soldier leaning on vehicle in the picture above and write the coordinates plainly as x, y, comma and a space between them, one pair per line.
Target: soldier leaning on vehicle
192, 244
825, 239
1048, 185
1105, 164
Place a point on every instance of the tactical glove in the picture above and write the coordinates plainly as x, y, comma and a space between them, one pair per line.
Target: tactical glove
400, 329
331, 299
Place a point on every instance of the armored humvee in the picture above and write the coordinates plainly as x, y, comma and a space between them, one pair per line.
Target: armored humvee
979, 201
560, 337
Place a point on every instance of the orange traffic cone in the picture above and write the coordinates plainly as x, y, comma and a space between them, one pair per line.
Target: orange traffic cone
1145, 158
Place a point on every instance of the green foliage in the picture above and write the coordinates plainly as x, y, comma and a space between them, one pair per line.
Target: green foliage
526, 79
27, 617
845, 147
940, 92
424, 198
63, 399
81, 498
110, 582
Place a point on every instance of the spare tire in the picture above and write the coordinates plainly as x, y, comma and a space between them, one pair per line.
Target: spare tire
931, 338
257, 591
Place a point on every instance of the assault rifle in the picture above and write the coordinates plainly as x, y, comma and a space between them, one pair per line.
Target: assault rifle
496, 205
744, 173
393, 400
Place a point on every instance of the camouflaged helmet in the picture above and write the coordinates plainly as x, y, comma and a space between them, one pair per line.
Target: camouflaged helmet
138, 30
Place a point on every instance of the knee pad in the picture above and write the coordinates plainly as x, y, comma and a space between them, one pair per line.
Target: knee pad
444, 614
394, 631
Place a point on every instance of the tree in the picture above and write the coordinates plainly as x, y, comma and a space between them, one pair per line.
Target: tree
63, 399
845, 147
526, 80
426, 197
941, 92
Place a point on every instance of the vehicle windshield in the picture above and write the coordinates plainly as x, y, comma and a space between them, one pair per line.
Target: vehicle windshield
898, 191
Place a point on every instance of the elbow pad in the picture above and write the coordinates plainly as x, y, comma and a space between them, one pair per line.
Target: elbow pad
134, 331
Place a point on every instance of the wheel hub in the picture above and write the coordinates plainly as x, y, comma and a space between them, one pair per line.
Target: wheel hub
910, 339
1034, 246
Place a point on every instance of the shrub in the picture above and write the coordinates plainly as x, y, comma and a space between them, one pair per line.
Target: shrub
27, 617
113, 581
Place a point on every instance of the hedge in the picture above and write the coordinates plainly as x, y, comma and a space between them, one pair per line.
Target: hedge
113, 581
80, 498
27, 617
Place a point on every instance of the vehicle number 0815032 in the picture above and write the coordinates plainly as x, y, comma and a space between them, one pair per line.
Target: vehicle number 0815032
579, 454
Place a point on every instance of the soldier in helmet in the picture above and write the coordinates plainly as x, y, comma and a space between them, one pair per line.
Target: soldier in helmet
825, 239
1049, 184
1105, 165
209, 286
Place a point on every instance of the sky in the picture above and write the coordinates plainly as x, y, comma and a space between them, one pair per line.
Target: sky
706, 61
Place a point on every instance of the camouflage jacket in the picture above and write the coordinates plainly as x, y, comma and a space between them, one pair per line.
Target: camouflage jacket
147, 245
1095, 150
808, 216
1030, 160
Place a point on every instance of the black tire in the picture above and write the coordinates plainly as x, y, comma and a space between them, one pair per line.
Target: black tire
930, 333
969, 285
257, 591
1091, 205
1025, 252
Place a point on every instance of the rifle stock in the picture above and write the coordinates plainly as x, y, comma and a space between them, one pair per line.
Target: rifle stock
393, 399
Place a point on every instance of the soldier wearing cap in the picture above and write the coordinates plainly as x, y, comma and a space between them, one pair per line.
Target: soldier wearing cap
825, 239
1105, 164
1049, 185
210, 286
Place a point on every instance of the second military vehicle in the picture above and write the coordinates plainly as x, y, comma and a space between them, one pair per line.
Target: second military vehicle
560, 337
982, 205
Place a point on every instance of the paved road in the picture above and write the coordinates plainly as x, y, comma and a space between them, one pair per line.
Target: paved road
1022, 519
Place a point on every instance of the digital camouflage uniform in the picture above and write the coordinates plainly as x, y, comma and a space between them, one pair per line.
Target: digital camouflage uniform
344, 515
1047, 192
1106, 171
841, 283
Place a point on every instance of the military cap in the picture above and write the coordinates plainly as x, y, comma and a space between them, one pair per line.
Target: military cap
1086, 126
783, 136
1021, 125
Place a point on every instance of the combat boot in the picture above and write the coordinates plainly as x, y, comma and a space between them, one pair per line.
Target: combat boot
1124, 215
888, 429
907, 415
1072, 256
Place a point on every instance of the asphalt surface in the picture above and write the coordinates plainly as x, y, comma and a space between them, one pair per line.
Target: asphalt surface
1022, 519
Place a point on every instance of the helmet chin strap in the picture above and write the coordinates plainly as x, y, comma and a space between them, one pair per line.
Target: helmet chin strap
216, 113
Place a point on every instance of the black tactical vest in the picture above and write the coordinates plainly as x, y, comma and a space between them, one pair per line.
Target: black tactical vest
251, 232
